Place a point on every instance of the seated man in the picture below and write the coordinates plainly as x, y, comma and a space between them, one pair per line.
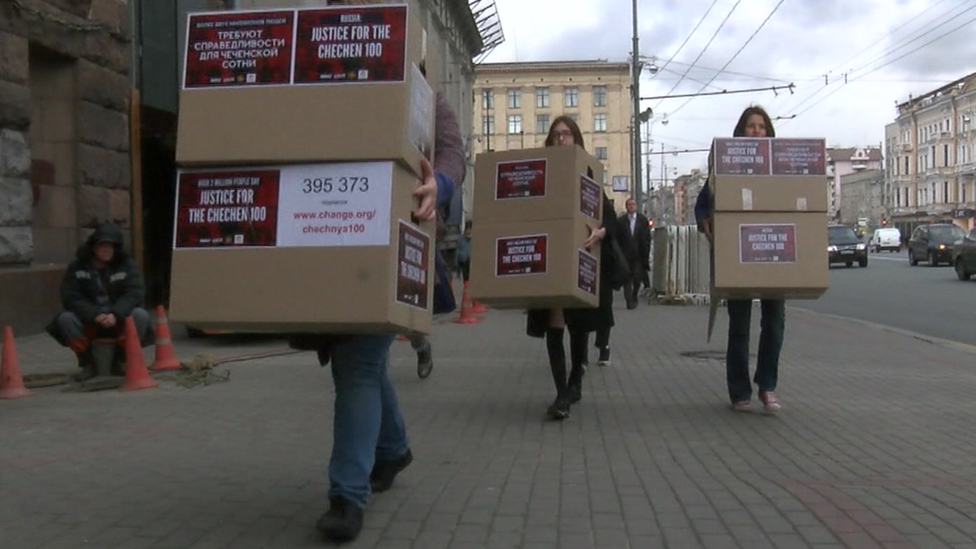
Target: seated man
101, 287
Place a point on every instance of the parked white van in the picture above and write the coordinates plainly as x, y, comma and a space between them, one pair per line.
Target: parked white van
886, 239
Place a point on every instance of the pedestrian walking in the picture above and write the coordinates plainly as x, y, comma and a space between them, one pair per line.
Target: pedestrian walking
754, 122
552, 324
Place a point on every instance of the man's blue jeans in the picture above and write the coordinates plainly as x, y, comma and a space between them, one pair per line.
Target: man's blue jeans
770, 343
368, 425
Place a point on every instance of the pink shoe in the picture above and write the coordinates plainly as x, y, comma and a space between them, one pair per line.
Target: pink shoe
742, 406
770, 401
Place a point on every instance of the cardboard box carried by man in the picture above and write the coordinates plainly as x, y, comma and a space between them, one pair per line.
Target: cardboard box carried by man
300, 140
770, 220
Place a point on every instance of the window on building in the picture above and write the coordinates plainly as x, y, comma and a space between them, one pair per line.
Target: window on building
487, 99
945, 192
599, 96
962, 192
573, 116
488, 124
907, 160
542, 98
945, 152
542, 123
606, 175
572, 97
600, 122
514, 99
514, 123
601, 153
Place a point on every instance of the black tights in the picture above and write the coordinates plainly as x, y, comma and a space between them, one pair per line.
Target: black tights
557, 356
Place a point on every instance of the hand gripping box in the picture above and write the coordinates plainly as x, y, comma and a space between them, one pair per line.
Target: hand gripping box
305, 85
301, 248
770, 218
533, 209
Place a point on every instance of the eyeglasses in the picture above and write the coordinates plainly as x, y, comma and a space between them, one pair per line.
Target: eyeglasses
564, 133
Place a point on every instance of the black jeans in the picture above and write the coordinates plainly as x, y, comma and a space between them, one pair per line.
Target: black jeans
773, 325
632, 286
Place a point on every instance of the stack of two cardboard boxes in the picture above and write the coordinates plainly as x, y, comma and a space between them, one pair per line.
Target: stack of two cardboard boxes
770, 218
533, 209
301, 136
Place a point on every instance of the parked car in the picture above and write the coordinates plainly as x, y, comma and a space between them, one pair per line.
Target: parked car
886, 239
964, 256
933, 243
843, 246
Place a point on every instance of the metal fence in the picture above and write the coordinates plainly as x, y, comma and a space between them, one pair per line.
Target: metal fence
680, 265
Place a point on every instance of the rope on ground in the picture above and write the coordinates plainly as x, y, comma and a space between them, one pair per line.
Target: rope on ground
199, 371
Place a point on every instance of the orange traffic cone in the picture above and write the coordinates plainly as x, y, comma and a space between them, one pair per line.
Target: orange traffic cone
11, 382
136, 375
467, 315
477, 307
165, 355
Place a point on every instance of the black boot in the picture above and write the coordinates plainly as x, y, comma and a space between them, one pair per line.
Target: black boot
559, 409
578, 355
343, 520
383, 473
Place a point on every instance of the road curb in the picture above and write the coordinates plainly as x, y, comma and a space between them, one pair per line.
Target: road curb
964, 347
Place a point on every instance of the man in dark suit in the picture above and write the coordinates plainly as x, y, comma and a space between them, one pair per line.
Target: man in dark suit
634, 236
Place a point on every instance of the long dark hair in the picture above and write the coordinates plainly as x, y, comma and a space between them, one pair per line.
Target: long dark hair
573, 127
740, 128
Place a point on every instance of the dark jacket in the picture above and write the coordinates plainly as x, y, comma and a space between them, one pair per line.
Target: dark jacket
636, 246
587, 319
119, 283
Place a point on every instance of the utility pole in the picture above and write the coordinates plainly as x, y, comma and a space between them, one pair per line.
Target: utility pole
635, 90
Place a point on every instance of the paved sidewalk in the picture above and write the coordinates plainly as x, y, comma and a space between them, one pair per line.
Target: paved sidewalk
875, 448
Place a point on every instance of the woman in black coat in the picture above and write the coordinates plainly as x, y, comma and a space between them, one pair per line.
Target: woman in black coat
551, 324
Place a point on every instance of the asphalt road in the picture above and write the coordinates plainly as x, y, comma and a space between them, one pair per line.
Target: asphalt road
923, 299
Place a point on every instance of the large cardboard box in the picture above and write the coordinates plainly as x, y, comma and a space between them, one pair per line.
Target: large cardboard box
534, 264
770, 255
536, 184
533, 209
305, 85
770, 175
301, 248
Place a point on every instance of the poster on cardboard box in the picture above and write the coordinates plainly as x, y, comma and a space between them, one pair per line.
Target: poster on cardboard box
741, 156
226, 208
767, 243
591, 197
589, 269
520, 179
799, 157
521, 255
351, 44
238, 49
413, 261
335, 204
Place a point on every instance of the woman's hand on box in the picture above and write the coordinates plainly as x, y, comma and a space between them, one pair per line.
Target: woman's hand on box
596, 235
426, 194
706, 226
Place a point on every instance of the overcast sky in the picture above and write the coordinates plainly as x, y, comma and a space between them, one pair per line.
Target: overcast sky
802, 41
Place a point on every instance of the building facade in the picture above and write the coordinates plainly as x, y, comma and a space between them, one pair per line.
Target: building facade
932, 146
685, 190
862, 199
64, 143
846, 161
516, 102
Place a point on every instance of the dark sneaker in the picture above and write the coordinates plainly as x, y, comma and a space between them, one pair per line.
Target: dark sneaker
425, 362
381, 478
343, 520
575, 392
559, 409
604, 356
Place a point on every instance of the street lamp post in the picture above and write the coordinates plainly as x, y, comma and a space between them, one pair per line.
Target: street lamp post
635, 137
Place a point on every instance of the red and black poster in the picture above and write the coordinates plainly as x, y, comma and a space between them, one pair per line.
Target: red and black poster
234, 208
351, 44
591, 196
767, 243
520, 179
521, 255
799, 157
589, 269
413, 261
741, 156
239, 49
